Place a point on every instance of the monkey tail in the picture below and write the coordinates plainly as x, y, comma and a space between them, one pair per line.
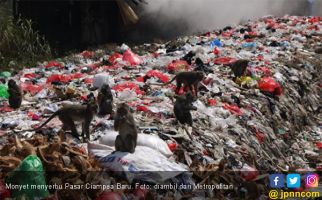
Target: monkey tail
48, 120
167, 83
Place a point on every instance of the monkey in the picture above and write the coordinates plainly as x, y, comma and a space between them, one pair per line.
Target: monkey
15, 94
182, 108
189, 79
124, 123
239, 68
70, 113
105, 100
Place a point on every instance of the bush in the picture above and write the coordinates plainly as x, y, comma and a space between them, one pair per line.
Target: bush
20, 45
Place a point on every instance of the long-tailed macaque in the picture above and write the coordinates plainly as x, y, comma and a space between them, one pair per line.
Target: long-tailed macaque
182, 108
105, 100
188, 79
15, 94
124, 123
70, 113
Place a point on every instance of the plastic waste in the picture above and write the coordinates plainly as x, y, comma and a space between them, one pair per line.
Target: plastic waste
29, 172
4, 91
132, 58
151, 141
178, 66
53, 64
216, 43
113, 59
145, 164
5, 74
101, 79
268, 84
130, 85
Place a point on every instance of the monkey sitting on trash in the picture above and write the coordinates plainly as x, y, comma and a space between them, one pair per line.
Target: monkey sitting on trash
182, 107
124, 123
105, 100
15, 94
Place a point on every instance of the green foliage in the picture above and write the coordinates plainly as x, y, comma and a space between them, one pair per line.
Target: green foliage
20, 45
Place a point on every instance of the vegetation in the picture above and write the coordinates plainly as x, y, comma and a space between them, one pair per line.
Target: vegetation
20, 44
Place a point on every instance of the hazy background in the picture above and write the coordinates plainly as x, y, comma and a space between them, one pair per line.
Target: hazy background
170, 18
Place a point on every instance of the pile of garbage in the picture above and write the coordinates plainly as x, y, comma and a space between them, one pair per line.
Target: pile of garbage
269, 119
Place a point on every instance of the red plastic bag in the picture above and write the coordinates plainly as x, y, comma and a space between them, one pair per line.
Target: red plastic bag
54, 64
109, 196
172, 146
142, 108
224, 60
87, 54
6, 108
158, 74
88, 80
33, 89
319, 145
260, 137
130, 85
113, 57
30, 75
268, 84
178, 65
212, 102
216, 51
59, 78
233, 109
132, 58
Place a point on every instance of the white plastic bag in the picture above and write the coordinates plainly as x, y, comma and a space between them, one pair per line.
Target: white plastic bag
101, 79
145, 164
151, 141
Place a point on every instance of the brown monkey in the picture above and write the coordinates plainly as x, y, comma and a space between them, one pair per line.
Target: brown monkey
70, 113
124, 123
189, 79
182, 108
239, 67
105, 100
15, 94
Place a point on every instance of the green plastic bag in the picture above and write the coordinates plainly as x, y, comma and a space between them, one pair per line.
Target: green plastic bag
4, 91
5, 74
29, 175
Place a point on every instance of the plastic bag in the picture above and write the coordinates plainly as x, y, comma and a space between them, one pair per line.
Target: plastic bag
4, 91
114, 58
132, 58
268, 84
5, 74
215, 43
158, 74
145, 164
224, 60
151, 141
53, 64
132, 86
178, 66
101, 79
29, 172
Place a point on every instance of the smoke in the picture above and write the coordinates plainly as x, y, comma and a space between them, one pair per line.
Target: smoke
170, 18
